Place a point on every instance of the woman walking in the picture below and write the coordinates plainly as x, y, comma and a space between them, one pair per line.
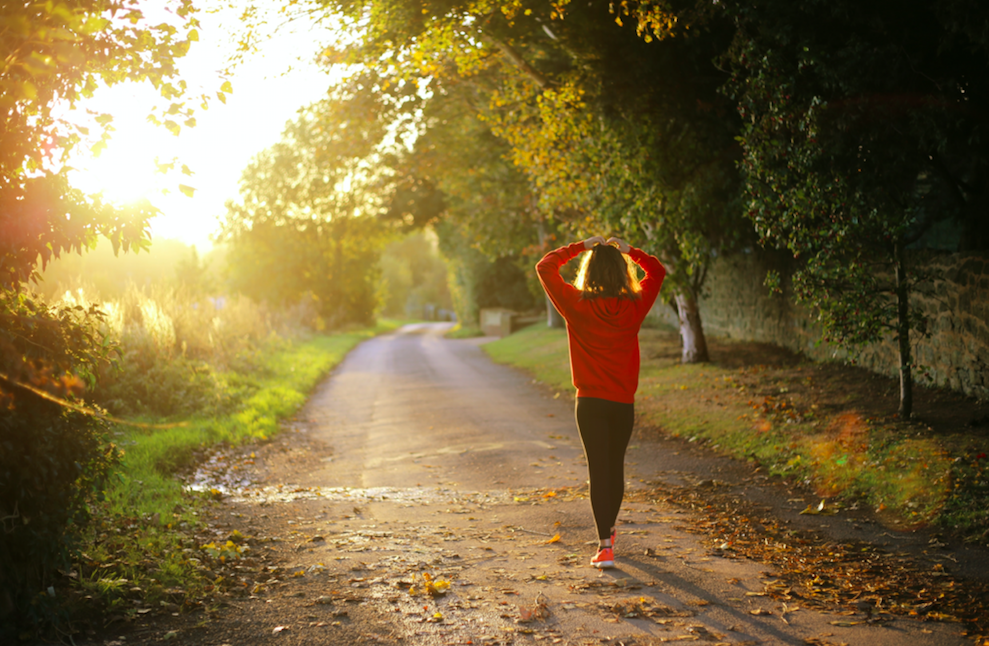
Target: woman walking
604, 310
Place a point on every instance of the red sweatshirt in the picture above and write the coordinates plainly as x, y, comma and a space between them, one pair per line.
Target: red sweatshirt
603, 333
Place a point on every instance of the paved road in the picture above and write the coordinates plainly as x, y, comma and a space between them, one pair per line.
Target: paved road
413, 408
419, 455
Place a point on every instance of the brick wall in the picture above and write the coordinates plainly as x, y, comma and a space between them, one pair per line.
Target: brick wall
737, 305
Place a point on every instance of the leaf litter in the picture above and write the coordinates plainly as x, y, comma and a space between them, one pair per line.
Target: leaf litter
817, 572
231, 559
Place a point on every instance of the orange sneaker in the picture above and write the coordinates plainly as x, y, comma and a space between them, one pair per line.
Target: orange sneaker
605, 558
614, 535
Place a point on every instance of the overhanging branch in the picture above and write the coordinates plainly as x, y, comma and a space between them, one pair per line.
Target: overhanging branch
517, 60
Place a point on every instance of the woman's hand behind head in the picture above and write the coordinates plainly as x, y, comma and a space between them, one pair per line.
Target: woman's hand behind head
593, 240
618, 242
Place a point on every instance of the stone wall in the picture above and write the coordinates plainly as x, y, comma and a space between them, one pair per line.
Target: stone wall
736, 304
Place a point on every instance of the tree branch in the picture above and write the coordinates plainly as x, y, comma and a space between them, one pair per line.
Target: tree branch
517, 60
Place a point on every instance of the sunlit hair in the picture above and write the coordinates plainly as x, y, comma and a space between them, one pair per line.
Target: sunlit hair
606, 272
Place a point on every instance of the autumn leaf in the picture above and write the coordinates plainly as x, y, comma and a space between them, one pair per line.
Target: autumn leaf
819, 510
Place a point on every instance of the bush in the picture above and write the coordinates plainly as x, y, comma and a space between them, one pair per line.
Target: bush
53, 461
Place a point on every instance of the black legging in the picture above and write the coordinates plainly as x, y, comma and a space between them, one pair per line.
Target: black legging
605, 428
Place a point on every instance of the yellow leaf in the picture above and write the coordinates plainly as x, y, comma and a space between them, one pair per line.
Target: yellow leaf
555, 539
227, 87
188, 191
29, 90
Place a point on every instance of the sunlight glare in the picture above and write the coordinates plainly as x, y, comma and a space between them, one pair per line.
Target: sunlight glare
268, 88
124, 173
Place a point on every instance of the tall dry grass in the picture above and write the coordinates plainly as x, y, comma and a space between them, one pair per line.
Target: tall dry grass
179, 351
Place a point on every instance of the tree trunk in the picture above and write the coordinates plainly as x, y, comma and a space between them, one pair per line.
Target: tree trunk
553, 318
903, 332
691, 330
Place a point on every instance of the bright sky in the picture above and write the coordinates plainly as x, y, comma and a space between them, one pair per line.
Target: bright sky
265, 95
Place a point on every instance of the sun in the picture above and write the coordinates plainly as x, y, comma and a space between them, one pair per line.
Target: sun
125, 171
123, 174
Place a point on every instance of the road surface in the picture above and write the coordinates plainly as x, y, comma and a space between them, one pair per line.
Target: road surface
426, 495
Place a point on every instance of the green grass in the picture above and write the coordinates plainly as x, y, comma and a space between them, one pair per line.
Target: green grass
912, 479
540, 350
459, 331
145, 531
278, 387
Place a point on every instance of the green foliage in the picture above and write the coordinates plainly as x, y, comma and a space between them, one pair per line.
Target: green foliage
506, 282
54, 55
175, 346
477, 281
847, 164
53, 467
413, 276
305, 226
53, 462
531, 121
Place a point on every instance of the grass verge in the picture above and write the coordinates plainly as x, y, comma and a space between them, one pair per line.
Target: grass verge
826, 425
459, 331
146, 548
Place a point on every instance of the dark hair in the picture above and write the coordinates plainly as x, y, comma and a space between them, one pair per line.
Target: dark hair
606, 272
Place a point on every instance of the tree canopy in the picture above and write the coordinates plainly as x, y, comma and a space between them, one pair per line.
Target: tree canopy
846, 134
847, 164
602, 131
55, 54
308, 222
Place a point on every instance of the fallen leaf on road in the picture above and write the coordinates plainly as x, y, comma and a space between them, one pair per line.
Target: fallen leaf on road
535, 612
555, 539
819, 509
279, 629
433, 587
